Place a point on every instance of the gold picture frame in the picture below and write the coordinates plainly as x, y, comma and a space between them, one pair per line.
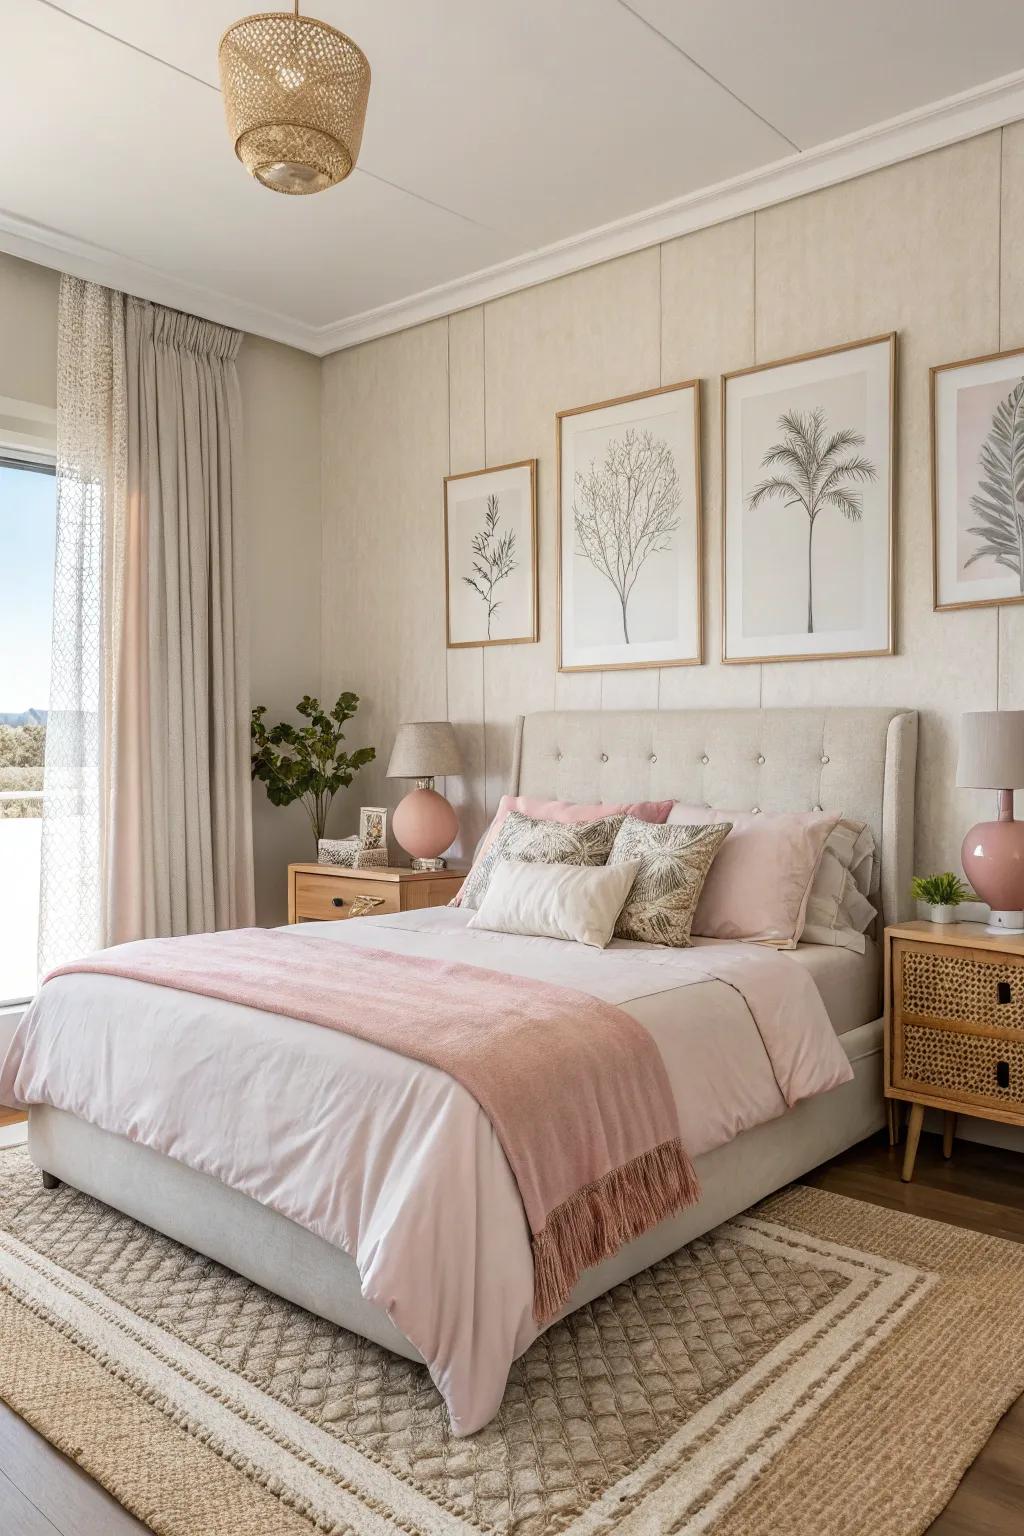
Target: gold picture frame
887, 647
693, 422
460, 618
942, 553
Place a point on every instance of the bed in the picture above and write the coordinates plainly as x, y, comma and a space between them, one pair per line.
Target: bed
860, 762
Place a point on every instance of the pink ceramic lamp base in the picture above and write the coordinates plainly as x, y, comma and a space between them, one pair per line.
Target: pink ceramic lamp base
425, 825
993, 860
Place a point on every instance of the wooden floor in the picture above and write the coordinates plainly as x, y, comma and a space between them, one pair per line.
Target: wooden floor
44, 1494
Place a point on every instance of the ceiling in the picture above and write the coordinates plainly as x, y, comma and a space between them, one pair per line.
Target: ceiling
505, 142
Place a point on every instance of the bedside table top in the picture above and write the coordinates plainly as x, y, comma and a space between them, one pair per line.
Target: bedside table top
396, 873
958, 935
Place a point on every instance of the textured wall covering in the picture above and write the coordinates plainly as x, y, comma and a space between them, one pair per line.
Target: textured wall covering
927, 248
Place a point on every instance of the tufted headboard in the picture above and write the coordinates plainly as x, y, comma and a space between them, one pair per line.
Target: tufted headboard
858, 761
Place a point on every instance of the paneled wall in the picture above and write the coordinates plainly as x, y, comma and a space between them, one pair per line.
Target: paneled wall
931, 248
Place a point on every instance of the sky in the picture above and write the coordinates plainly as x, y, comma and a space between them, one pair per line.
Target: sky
27, 533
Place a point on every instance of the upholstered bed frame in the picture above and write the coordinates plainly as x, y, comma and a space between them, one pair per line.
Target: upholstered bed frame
857, 761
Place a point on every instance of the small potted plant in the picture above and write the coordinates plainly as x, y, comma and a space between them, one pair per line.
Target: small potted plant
942, 894
306, 763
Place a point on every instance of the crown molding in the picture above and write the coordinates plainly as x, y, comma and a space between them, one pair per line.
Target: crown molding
927, 128
935, 126
81, 258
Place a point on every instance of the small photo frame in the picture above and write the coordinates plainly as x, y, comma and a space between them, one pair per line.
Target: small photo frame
373, 826
490, 545
978, 481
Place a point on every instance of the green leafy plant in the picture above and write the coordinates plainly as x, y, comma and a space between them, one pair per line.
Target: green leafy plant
306, 762
946, 890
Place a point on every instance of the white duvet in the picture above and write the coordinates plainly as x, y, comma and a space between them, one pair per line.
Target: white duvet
393, 1161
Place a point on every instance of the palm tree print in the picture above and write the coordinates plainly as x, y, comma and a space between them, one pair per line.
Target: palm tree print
814, 471
1000, 499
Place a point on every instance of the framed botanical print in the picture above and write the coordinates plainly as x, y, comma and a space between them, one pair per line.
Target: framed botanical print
490, 543
808, 500
978, 481
629, 517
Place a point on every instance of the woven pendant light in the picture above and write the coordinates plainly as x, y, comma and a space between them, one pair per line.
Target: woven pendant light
295, 93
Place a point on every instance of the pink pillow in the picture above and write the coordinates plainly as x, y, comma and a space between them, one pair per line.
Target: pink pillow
759, 885
567, 811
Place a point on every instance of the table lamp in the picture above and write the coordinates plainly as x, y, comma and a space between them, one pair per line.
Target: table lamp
424, 824
992, 757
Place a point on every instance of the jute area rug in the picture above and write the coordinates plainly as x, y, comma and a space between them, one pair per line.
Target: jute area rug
819, 1365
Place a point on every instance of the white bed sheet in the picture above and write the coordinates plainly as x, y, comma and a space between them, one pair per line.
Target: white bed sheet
393, 1161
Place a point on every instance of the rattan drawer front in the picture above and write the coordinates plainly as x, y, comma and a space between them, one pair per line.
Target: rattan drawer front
942, 984
950, 1063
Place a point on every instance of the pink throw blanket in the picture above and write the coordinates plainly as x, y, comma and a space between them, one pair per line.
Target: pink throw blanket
574, 1087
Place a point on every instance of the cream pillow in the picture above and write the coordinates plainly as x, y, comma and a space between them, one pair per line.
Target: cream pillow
555, 901
837, 913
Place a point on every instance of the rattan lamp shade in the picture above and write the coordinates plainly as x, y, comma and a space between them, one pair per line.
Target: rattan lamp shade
295, 93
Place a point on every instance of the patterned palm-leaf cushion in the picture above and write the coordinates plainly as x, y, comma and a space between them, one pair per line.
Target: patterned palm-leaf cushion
532, 841
674, 862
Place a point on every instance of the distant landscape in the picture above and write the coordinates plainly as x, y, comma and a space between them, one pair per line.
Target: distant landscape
22, 747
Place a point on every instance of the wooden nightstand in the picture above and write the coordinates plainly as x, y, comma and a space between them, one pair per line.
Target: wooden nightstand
324, 893
954, 1026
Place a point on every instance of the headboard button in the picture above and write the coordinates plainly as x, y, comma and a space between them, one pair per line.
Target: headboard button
824, 759
760, 760
604, 757
654, 757
755, 810
705, 758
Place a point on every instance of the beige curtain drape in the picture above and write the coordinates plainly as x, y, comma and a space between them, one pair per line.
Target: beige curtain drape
179, 833
146, 807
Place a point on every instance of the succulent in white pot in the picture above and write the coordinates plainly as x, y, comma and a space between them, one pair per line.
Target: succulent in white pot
941, 894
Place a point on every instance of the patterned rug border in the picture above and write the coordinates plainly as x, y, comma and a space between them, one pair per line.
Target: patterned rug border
910, 1279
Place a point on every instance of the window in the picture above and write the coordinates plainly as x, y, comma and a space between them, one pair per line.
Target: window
28, 520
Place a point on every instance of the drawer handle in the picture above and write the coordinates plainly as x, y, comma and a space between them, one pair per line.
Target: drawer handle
1004, 992
337, 901
1003, 1074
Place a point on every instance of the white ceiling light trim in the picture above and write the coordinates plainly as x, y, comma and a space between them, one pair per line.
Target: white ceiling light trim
935, 126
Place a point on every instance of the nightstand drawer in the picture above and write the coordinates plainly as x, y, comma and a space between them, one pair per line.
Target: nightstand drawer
957, 985
326, 898
970, 1068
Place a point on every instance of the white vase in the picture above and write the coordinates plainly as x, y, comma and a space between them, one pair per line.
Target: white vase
943, 914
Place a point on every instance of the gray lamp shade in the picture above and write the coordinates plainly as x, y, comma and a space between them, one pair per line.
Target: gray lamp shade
425, 749
991, 749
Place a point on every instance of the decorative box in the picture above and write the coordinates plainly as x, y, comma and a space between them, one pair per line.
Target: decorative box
371, 858
337, 850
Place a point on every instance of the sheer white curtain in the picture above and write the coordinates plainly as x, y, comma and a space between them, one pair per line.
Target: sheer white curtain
91, 465
146, 815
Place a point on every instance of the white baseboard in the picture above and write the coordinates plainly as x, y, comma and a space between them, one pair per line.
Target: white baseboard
989, 1133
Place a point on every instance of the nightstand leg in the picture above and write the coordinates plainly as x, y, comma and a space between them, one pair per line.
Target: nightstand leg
890, 1111
948, 1132
913, 1137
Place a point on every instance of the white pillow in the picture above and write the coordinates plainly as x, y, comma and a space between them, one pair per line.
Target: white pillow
838, 911
556, 901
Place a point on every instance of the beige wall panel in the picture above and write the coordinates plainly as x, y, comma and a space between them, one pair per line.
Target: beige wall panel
916, 249
465, 668
707, 329
280, 521
583, 339
385, 454
630, 690
28, 328
1011, 619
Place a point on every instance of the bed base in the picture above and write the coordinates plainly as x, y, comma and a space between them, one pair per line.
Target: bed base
223, 1224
